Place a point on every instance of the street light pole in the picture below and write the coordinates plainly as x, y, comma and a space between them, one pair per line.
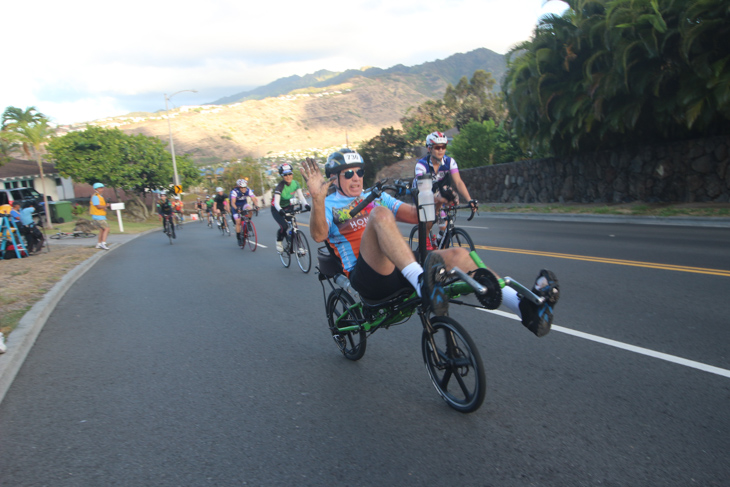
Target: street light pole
176, 179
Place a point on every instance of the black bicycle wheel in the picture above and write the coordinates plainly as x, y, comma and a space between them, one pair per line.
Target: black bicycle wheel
85, 235
352, 343
455, 366
285, 256
413, 239
301, 248
459, 238
57, 236
253, 240
167, 229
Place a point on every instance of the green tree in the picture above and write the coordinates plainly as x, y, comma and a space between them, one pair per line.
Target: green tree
32, 131
612, 73
8, 146
484, 143
389, 147
430, 116
248, 169
473, 99
136, 164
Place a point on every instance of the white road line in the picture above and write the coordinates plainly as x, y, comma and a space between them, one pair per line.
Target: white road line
625, 346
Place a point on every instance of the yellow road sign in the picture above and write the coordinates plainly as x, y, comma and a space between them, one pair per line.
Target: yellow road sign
177, 189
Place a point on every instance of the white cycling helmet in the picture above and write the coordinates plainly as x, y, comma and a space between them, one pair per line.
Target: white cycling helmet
218, 189
242, 183
436, 138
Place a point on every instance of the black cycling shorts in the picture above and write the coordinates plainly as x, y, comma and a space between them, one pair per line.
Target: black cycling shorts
374, 286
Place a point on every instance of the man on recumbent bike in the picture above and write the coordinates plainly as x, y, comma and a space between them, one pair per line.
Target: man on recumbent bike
376, 257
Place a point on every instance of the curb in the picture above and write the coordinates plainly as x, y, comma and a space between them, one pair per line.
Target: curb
717, 222
21, 340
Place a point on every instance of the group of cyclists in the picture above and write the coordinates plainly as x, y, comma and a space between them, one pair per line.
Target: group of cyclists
374, 255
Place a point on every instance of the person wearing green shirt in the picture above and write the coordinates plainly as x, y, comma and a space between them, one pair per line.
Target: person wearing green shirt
284, 194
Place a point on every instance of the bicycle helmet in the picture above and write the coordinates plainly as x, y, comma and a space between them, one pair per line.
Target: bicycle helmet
241, 183
436, 138
344, 158
218, 189
285, 169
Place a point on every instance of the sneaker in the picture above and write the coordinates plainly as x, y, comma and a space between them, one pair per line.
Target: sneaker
432, 292
279, 246
104, 246
539, 319
3, 347
98, 246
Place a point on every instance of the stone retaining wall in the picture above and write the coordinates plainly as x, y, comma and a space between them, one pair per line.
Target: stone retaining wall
682, 172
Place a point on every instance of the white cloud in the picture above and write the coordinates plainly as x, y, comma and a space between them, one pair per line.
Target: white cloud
90, 59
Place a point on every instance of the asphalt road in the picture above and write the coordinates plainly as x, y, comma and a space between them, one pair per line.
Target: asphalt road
202, 364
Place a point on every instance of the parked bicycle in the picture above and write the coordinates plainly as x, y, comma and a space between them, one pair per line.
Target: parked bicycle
248, 231
453, 362
74, 234
169, 227
296, 242
450, 236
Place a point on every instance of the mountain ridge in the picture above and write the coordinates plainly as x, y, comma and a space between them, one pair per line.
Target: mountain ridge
449, 70
317, 111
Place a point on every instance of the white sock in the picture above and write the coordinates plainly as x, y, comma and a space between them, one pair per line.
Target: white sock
511, 301
411, 272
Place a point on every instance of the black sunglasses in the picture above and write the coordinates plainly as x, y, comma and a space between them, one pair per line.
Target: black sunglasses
350, 173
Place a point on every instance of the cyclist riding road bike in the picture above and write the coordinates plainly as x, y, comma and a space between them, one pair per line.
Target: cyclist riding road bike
284, 192
164, 208
445, 173
239, 203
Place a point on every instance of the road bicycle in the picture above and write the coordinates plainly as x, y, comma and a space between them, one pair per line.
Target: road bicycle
74, 234
248, 231
168, 227
223, 224
296, 242
450, 236
452, 360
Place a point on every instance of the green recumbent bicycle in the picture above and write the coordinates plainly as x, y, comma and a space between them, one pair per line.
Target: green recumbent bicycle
452, 360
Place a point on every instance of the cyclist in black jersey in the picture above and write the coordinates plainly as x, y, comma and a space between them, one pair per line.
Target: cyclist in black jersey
164, 208
220, 202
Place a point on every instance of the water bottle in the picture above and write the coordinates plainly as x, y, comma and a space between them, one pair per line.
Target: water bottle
426, 206
344, 283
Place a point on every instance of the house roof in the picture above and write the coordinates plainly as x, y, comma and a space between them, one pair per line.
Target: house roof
20, 169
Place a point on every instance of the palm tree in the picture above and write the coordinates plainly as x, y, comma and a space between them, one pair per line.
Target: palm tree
8, 145
32, 131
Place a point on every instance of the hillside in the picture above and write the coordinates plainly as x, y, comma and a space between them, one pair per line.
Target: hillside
306, 115
435, 76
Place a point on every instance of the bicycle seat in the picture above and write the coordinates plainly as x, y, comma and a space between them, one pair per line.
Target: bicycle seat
329, 264
395, 298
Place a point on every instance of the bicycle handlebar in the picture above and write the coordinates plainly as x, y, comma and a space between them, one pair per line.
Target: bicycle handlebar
296, 209
376, 191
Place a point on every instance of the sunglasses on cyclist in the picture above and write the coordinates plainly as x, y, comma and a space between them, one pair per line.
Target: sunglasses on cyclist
350, 173
439, 147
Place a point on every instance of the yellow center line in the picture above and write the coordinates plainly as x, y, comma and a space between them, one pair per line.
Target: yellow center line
603, 260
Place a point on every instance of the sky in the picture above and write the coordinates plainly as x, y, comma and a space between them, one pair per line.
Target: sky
83, 60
